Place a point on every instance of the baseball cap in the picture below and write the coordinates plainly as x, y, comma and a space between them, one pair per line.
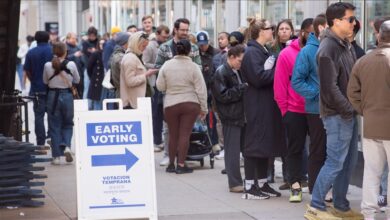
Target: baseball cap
202, 38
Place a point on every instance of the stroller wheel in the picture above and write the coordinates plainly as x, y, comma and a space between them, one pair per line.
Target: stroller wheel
212, 164
202, 162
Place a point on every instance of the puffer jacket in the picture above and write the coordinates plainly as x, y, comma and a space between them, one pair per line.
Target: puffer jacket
335, 59
228, 94
305, 78
285, 96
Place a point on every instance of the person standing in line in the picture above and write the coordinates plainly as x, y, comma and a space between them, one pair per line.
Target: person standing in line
95, 71
358, 50
74, 54
149, 58
147, 26
185, 99
284, 32
88, 47
228, 91
109, 46
207, 52
133, 74
121, 42
335, 60
166, 52
60, 74
33, 67
367, 87
305, 82
264, 135
292, 107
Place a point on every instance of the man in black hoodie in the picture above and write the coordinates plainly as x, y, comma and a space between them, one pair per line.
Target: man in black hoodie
335, 59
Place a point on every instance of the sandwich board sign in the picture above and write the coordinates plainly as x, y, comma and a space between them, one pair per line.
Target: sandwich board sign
115, 162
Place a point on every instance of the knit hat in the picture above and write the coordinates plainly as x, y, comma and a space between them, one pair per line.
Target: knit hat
122, 38
115, 29
235, 38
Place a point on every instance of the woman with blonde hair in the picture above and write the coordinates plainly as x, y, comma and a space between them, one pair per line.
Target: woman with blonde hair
59, 75
264, 136
133, 74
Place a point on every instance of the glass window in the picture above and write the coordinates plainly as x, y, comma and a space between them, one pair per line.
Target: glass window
275, 10
207, 19
221, 21
299, 10
375, 9
162, 12
194, 16
254, 8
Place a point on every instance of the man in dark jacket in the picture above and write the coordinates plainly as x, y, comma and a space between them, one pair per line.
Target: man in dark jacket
207, 52
74, 54
335, 61
228, 90
33, 66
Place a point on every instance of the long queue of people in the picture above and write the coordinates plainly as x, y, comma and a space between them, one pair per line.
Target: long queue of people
262, 93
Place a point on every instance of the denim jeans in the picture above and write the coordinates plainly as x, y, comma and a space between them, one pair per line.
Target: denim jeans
60, 121
109, 94
95, 104
39, 106
19, 70
383, 188
341, 150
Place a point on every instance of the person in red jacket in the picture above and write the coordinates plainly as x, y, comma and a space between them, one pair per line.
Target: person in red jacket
292, 107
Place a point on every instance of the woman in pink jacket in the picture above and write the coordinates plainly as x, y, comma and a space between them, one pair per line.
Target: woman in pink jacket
292, 107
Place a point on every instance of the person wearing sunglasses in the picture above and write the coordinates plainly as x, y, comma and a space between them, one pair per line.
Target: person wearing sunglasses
264, 134
335, 60
133, 74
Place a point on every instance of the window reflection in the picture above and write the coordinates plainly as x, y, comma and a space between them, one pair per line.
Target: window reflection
375, 9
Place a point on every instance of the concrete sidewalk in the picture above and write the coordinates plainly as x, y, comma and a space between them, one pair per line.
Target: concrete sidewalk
200, 195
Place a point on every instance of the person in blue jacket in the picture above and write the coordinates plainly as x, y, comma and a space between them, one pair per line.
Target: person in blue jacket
306, 83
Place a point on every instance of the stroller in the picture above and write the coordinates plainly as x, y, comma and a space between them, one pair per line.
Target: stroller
200, 144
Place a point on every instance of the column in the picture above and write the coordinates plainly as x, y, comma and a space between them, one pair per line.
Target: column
232, 22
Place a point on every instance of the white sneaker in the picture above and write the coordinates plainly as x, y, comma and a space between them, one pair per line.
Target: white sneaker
216, 148
221, 155
68, 155
56, 161
164, 161
157, 148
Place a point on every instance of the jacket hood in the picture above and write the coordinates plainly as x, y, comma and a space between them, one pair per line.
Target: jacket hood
118, 49
313, 40
295, 44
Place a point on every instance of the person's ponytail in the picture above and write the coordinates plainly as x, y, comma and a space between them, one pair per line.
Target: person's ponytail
59, 50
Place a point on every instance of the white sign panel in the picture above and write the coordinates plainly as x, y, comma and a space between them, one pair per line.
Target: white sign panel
115, 162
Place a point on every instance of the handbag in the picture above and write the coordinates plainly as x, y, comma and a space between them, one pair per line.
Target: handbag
107, 80
72, 88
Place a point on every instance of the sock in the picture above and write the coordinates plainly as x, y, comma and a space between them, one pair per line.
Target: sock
261, 182
248, 184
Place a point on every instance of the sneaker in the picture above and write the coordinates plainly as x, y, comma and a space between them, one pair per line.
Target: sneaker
171, 168
216, 148
382, 202
157, 148
221, 155
236, 189
56, 161
296, 195
164, 161
284, 186
183, 170
254, 193
329, 196
267, 189
68, 155
315, 214
350, 214
305, 186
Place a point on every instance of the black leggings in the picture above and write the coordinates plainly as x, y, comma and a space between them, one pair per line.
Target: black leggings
255, 168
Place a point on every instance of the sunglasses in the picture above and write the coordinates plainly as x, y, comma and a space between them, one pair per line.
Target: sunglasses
269, 28
350, 19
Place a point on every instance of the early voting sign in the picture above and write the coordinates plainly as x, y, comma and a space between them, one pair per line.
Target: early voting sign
115, 162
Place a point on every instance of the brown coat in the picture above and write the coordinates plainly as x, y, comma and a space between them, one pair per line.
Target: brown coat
132, 80
369, 92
